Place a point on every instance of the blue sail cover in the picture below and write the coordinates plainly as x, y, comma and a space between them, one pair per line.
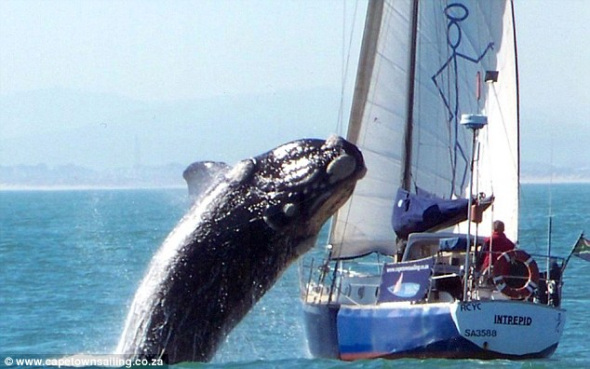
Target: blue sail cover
423, 212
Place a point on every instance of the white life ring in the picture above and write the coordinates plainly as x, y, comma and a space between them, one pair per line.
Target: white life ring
502, 271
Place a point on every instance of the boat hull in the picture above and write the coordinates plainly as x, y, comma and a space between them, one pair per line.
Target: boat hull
479, 329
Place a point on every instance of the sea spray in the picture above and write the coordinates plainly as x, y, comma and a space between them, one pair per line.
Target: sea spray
147, 294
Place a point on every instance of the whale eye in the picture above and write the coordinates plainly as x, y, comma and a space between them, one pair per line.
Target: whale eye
278, 217
290, 210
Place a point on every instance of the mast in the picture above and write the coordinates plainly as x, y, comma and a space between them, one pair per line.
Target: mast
407, 153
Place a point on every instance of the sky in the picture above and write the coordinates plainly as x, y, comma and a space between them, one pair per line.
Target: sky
156, 52
168, 50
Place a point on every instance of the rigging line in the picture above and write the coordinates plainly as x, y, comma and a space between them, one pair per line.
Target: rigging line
487, 163
552, 171
345, 63
550, 191
536, 239
503, 120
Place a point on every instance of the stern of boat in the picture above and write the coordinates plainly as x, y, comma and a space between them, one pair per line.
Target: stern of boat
509, 329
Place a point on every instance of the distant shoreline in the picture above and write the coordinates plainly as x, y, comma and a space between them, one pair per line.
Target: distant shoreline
555, 181
40, 188
24, 188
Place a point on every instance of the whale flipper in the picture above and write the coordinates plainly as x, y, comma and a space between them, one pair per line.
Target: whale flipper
200, 175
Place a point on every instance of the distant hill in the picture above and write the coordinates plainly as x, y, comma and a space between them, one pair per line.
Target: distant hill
62, 127
542, 172
71, 176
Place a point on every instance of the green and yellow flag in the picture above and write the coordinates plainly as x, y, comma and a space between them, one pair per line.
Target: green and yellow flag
582, 248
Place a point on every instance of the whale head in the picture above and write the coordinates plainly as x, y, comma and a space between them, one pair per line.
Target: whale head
301, 183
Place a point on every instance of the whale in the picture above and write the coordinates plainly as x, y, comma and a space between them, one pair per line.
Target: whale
233, 244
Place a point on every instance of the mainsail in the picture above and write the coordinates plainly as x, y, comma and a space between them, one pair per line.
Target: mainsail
422, 65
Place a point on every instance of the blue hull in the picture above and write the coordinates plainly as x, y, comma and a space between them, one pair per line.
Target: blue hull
320, 328
428, 331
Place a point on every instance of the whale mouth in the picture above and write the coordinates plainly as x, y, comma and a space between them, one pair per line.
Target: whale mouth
332, 198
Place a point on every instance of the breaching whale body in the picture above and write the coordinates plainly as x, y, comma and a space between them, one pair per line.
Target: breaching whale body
233, 245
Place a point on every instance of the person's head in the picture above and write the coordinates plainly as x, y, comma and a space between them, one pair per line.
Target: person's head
498, 226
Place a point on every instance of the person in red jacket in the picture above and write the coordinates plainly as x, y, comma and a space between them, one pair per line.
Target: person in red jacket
498, 243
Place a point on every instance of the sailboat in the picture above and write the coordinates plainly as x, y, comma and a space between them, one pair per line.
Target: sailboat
435, 112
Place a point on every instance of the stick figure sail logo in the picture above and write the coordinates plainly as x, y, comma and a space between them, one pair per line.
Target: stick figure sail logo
447, 83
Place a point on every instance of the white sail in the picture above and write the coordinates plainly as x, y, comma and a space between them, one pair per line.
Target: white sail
419, 71
363, 225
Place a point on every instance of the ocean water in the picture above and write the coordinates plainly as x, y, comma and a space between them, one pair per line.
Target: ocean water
70, 262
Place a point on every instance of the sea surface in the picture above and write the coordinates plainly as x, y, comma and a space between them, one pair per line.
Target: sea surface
70, 262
